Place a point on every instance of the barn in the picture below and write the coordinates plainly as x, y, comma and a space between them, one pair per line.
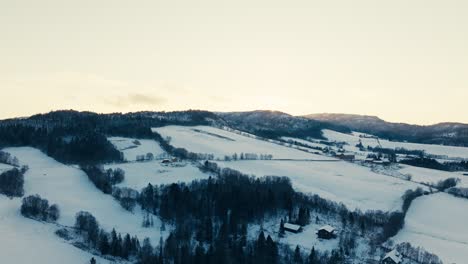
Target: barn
326, 232
292, 228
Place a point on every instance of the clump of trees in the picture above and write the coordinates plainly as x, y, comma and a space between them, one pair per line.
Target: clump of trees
7, 158
425, 163
417, 254
38, 208
12, 182
104, 179
458, 191
447, 183
127, 197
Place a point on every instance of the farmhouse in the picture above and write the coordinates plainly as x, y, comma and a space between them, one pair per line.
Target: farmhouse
326, 232
166, 161
345, 156
392, 257
292, 228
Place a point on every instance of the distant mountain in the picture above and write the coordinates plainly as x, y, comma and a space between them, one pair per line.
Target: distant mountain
443, 133
272, 124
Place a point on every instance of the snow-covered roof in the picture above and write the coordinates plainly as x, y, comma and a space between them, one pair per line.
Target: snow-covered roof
393, 255
327, 228
292, 226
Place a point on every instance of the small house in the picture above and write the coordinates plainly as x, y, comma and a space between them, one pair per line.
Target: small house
292, 228
326, 232
392, 257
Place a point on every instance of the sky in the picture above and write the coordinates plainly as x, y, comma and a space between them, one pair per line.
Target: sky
401, 60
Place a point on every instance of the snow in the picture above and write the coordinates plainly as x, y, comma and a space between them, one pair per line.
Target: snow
139, 174
71, 189
210, 140
353, 185
5, 167
25, 241
130, 150
353, 139
437, 223
430, 176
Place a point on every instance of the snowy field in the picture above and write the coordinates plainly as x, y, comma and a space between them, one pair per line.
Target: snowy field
5, 167
352, 140
305, 142
424, 175
25, 241
131, 147
210, 140
71, 189
353, 185
139, 174
438, 223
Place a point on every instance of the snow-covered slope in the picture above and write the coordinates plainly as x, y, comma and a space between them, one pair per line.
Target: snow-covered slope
355, 186
25, 241
139, 174
424, 175
131, 147
71, 189
438, 223
352, 140
210, 140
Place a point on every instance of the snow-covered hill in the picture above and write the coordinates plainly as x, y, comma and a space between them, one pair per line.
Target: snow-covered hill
438, 223
70, 188
210, 140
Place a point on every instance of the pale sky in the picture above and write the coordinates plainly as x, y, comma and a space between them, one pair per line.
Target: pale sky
402, 60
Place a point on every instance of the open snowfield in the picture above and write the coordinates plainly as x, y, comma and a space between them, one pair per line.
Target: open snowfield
139, 174
5, 167
26, 241
424, 175
353, 185
131, 149
210, 140
438, 223
71, 189
352, 140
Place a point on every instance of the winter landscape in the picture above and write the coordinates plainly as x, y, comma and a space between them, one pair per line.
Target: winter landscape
234, 132
184, 187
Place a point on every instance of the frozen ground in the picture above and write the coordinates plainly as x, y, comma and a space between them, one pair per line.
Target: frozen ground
352, 140
210, 140
353, 185
132, 147
438, 223
139, 174
25, 241
71, 189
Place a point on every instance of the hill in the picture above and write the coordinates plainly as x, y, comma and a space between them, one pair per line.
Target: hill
455, 134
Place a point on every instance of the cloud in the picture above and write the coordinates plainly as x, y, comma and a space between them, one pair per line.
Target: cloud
136, 99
